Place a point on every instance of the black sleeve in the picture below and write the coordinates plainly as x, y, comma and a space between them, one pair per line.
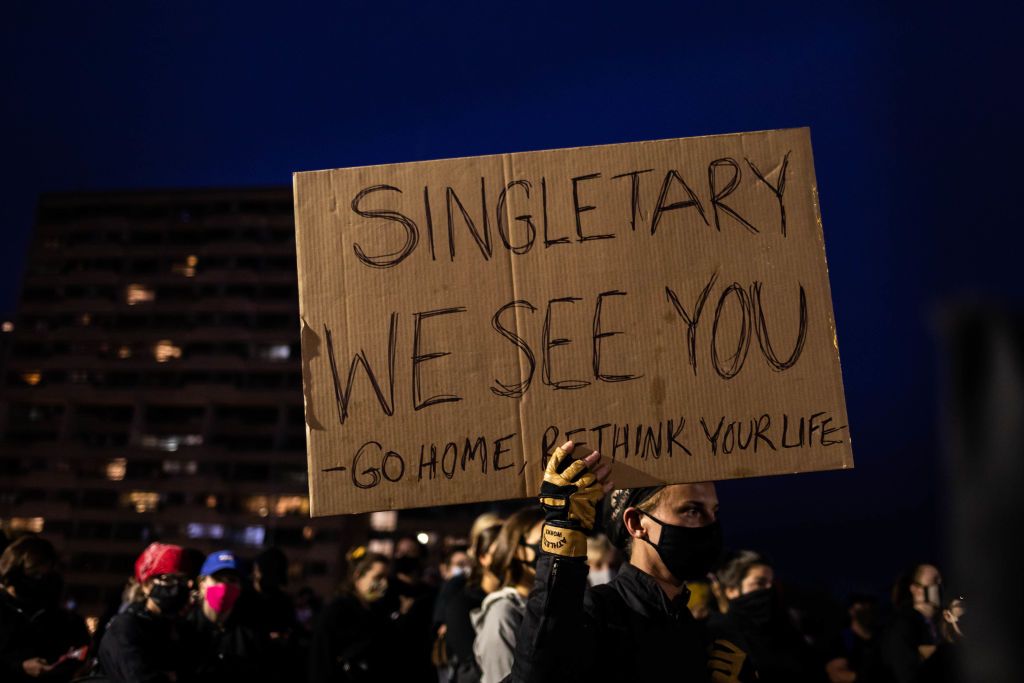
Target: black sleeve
325, 645
550, 646
125, 658
899, 651
448, 589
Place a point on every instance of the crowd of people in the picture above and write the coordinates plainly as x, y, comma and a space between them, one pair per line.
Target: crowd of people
592, 584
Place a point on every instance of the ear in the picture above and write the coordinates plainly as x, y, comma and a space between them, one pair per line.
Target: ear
634, 521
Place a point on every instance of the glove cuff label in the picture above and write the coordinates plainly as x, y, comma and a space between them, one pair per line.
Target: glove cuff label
565, 542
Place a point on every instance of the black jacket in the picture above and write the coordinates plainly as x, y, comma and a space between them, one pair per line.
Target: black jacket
624, 630
142, 647
232, 651
457, 598
774, 648
16, 642
352, 643
47, 632
897, 659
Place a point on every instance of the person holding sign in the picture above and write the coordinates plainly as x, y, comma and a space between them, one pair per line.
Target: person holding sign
637, 627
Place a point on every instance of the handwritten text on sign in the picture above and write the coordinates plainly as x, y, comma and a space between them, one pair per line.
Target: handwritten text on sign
665, 302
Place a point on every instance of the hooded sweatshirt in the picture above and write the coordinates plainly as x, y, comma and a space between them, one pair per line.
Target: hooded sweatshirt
496, 623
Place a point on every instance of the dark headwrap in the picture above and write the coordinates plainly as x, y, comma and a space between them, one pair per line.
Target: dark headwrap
616, 503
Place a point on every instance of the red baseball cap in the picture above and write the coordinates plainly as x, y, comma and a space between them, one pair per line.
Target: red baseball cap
158, 558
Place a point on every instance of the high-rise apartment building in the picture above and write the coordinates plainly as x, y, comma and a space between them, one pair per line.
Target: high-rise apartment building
152, 387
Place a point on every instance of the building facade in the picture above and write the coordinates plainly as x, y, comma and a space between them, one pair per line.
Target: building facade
152, 387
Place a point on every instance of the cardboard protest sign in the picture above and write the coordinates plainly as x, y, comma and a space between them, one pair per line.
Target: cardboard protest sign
664, 302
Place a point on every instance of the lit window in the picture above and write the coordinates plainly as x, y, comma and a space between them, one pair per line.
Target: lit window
165, 350
138, 294
124, 352
211, 501
254, 535
31, 378
384, 521
8, 326
116, 469
23, 524
171, 442
186, 267
257, 505
291, 505
179, 466
274, 352
198, 530
142, 501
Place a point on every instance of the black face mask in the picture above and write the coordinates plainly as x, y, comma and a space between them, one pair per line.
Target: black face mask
688, 552
406, 565
170, 596
36, 592
759, 606
536, 553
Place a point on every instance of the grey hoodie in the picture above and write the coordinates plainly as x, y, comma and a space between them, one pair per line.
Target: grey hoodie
496, 623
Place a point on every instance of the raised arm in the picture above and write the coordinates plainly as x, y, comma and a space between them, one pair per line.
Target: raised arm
550, 645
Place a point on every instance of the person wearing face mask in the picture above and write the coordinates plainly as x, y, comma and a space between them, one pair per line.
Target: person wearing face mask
637, 626
144, 642
221, 645
35, 631
912, 633
600, 558
757, 623
946, 665
266, 607
461, 595
409, 602
353, 635
496, 621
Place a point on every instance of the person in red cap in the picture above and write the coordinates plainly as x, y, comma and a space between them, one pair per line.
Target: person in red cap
141, 643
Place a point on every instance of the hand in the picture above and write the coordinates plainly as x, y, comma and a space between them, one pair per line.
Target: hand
725, 662
36, 667
569, 495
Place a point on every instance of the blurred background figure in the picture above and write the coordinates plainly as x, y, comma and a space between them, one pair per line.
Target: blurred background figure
602, 560
307, 607
410, 604
912, 633
757, 622
144, 643
455, 562
462, 593
857, 639
513, 563
265, 607
352, 638
221, 645
946, 663
38, 637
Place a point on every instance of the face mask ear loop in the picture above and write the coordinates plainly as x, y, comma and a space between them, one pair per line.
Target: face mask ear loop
660, 523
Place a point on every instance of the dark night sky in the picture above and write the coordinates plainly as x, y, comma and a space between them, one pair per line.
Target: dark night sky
910, 115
